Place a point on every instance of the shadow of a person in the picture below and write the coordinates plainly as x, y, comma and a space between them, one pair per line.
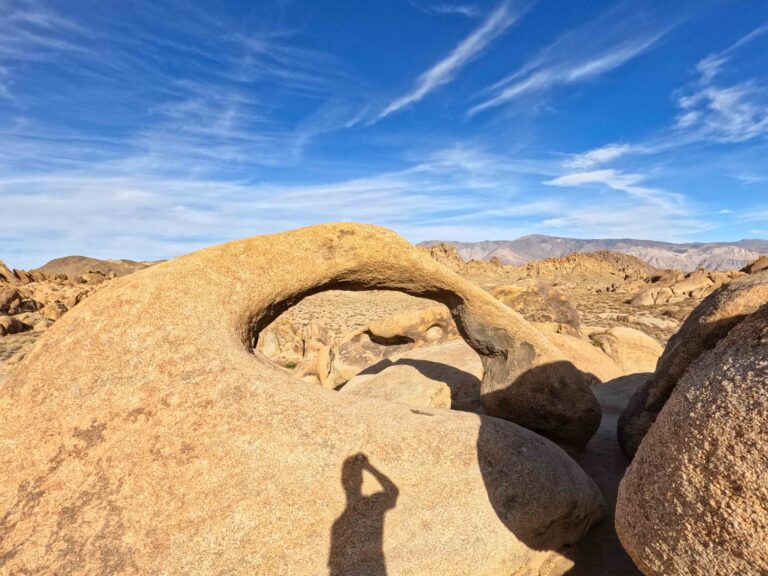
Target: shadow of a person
357, 536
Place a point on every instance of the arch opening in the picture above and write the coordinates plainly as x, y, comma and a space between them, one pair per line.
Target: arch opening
383, 343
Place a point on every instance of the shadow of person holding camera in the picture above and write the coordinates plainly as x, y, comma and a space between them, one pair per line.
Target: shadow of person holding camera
357, 536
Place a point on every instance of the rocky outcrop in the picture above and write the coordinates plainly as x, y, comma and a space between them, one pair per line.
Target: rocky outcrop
170, 447
16, 301
542, 305
5, 273
704, 328
453, 364
447, 255
695, 499
602, 270
631, 350
384, 338
671, 288
82, 266
757, 266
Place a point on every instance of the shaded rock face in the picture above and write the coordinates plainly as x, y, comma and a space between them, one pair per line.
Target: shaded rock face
704, 328
757, 266
695, 498
170, 447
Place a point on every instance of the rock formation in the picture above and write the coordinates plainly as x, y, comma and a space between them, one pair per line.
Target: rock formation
695, 498
630, 349
453, 364
541, 305
757, 266
382, 339
671, 288
74, 266
703, 329
143, 435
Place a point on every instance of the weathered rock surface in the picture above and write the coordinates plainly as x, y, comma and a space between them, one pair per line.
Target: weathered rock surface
542, 304
632, 350
385, 338
703, 329
5, 273
452, 363
670, 287
695, 498
403, 382
142, 435
587, 357
757, 266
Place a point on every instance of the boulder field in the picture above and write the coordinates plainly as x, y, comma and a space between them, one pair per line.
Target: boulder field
703, 329
143, 433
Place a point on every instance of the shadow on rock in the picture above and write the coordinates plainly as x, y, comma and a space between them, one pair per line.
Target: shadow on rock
547, 387
357, 536
465, 386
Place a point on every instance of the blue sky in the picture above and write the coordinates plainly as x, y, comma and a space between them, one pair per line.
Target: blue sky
146, 129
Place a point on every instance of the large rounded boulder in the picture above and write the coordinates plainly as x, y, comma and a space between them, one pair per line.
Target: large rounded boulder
695, 498
703, 329
144, 435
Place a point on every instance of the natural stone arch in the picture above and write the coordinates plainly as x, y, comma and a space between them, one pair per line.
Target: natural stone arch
527, 379
141, 433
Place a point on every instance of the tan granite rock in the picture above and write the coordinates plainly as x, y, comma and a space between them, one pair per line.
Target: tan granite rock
702, 330
141, 434
453, 363
695, 498
632, 350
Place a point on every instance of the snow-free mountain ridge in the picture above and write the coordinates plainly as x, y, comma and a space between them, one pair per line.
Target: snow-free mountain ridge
687, 257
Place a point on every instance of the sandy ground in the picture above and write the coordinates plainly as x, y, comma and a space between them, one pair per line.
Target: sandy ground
600, 553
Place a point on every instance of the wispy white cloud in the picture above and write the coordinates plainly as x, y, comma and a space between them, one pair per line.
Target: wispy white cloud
567, 71
597, 156
724, 113
622, 182
750, 178
709, 67
462, 8
115, 208
594, 49
446, 69
639, 212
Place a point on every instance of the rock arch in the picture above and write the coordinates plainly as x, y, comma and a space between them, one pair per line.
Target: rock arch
142, 433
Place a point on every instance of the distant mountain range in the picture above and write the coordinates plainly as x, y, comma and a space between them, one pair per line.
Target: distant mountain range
687, 257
